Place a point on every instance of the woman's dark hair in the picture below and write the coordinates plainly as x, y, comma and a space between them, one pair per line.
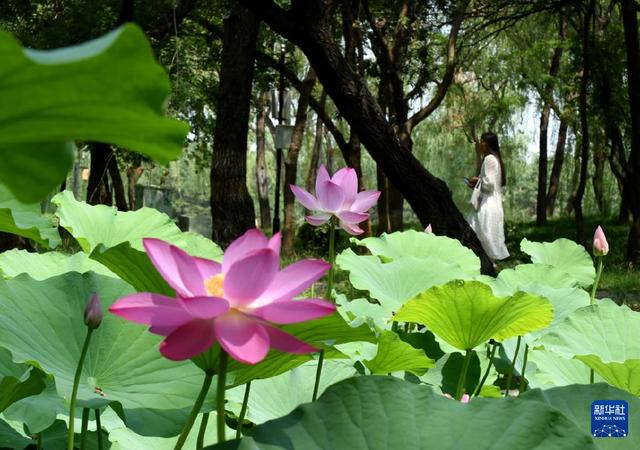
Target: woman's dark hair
494, 148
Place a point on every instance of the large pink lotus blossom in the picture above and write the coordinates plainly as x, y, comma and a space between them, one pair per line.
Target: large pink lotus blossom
600, 244
337, 196
235, 303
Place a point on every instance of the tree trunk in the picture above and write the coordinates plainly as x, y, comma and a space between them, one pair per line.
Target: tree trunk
541, 205
584, 126
355, 161
291, 164
98, 192
262, 181
556, 169
574, 180
384, 225
308, 25
630, 23
314, 159
133, 175
232, 210
116, 183
597, 181
329, 151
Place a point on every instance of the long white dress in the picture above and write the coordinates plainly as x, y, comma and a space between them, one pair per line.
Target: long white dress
488, 220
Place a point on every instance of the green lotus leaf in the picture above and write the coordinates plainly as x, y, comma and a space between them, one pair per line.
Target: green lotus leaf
384, 412
41, 266
546, 370
41, 323
575, 403
512, 280
466, 314
565, 255
624, 375
107, 90
419, 244
11, 436
17, 381
395, 355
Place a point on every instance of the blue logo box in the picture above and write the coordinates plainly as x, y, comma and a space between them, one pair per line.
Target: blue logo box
609, 419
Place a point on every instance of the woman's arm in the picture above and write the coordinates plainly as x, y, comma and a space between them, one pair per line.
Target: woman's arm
490, 174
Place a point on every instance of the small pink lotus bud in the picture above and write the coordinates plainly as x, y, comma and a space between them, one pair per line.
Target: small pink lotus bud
428, 230
93, 312
600, 244
465, 398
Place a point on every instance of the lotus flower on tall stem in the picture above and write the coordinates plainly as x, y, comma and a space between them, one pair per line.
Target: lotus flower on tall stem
237, 304
337, 202
600, 249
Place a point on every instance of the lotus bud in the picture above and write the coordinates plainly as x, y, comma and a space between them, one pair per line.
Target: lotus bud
93, 312
428, 230
600, 244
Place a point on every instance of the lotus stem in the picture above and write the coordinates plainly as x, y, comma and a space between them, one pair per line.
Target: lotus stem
524, 369
243, 410
486, 372
98, 428
329, 297
463, 375
206, 384
202, 430
597, 281
74, 391
85, 426
222, 379
512, 367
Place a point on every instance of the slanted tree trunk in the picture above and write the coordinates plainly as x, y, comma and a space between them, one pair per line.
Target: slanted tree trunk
632, 187
291, 164
556, 169
541, 204
262, 181
307, 24
232, 210
584, 125
116, 183
98, 191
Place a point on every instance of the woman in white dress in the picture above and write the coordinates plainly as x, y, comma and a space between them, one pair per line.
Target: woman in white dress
487, 217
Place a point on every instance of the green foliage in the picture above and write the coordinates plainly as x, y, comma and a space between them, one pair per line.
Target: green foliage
17, 381
109, 90
467, 314
396, 355
563, 255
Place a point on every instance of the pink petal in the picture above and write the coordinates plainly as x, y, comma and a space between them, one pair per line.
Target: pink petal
275, 242
318, 219
330, 196
250, 277
352, 217
293, 280
183, 272
354, 230
429, 229
348, 180
294, 311
321, 177
151, 309
250, 241
285, 342
307, 200
189, 340
243, 338
205, 307
364, 201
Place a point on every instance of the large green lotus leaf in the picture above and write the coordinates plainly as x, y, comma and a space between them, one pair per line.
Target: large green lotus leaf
17, 381
451, 373
10, 437
278, 396
395, 355
39, 412
575, 403
41, 266
361, 310
26, 220
466, 314
107, 90
393, 283
546, 370
512, 280
625, 375
324, 333
420, 244
41, 323
385, 412
565, 255
605, 329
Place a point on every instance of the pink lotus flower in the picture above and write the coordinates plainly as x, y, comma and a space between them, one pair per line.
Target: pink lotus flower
337, 196
600, 244
235, 303
465, 398
428, 230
